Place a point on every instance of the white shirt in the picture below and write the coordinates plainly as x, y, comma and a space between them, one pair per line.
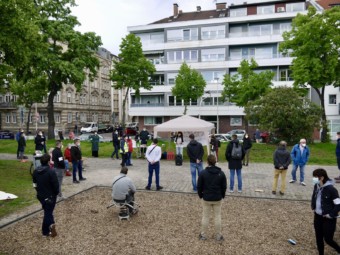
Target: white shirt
153, 153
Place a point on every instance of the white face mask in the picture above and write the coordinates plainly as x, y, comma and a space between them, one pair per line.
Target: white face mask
316, 180
303, 144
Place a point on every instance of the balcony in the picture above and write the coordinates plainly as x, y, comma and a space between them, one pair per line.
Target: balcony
8, 106
148, 105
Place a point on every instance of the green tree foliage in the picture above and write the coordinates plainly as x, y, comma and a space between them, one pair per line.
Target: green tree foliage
286, 114
69, 53
314, 42
247, 85
189, 84
132, 70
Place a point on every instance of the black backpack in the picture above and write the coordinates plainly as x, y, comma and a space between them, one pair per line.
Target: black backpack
236, 152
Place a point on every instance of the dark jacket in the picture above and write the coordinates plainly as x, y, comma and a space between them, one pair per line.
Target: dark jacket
144, 135
195, 151
337, 150
281, 158
39, 142
234, 163
75, 153
328, 196
46, 182
22, 143
57, 158
115, 139
214, 144
212, 184
247, 143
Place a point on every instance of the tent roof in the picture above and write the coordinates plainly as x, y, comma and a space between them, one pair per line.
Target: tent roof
184, 123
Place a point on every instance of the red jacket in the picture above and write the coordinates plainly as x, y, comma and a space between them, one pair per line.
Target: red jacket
130, 145
67, 154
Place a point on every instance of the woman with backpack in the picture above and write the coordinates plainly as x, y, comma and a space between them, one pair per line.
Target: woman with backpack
235, 154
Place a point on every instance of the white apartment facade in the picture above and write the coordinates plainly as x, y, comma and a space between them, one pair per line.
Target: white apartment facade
214, 42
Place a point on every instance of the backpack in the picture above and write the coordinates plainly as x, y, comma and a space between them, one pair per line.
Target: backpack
236, 152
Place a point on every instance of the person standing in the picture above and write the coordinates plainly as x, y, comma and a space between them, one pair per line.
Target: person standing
68, 159
281, 162
46, 184
235, 154
22, 146
247, 144
214, 146
300, 155
95, 144
153, 155
116, 144
39, 141
211, 186
179, 143
337, 153
258, 136
195, 153
326, 206
124, 149
144, 137
130, 150
137, 139
59, 164
17, 137
76, 157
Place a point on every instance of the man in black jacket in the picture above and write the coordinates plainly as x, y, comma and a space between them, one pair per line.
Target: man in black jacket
59, 163
46, 184
281, 162
116, 144
326, 206
76, 157
211, 186
195, 153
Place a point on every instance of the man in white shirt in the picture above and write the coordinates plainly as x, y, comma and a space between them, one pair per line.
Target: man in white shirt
123, 188
153, 155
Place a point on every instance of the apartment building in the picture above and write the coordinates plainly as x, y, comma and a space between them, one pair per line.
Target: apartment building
213, 42
96, 101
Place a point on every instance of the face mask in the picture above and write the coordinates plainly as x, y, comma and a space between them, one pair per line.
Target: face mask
303, 145
246, 136
316, 180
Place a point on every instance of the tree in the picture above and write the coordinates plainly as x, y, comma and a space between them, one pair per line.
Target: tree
314, 42
69, 53
283, 112
247, 85
132, 70
189, 85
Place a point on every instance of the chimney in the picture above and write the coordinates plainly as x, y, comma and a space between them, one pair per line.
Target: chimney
175, 10
198, 8
220, 6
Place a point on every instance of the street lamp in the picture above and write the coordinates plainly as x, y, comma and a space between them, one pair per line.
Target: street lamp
218, 119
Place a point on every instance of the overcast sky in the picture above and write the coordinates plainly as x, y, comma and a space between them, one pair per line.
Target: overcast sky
110, 18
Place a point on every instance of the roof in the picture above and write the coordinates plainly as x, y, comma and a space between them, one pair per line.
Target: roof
326, 4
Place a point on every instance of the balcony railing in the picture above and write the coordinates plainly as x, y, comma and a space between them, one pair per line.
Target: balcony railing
148, 105
251, 33
269, 56
8, 105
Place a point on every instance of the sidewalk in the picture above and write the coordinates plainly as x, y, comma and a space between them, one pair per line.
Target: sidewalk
101, 171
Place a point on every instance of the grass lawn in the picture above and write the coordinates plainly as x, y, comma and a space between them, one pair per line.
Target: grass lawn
15, 179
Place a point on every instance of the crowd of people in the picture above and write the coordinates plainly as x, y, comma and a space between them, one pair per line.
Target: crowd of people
210, 183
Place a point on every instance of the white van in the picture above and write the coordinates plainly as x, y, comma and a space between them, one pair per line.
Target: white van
89, 127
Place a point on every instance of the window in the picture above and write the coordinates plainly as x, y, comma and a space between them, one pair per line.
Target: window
235, 31
171, 100
69, 117
30, 118
213, 76
235, 54
95, 117
57, 97
178, 102
188, 34
256, 30
57, 117
235, 121
153, 120
42, 117
82, 117
214, 32
8, 118
171, 78
285, 75
295, 7
332, 99
180, 56
285, 27
150, 38
82, 99
263, 53
69, 97
238, 12
14, 117
193, 102
213, 55
265, 9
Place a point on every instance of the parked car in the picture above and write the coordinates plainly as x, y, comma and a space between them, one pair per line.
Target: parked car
221, 137
239, 132
131, 128
109, 129
6, 134
101, 128
89, 127
86, 138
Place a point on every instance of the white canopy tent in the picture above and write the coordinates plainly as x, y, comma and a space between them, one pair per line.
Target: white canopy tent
187, 125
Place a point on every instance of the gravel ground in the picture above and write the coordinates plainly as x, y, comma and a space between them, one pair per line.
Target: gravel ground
167, 223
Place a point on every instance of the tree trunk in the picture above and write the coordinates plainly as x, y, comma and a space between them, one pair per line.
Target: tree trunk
324, 125
124, 103
185, 109
50, 112
28, 118
246, 125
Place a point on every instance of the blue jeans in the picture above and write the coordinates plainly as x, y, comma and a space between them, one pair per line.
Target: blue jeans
239, 179
179, 150
48, 215
193, 168
77, 166
151, 168
128, 160
116, 150
302, 172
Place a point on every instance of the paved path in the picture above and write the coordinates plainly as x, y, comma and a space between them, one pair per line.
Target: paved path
100, 171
